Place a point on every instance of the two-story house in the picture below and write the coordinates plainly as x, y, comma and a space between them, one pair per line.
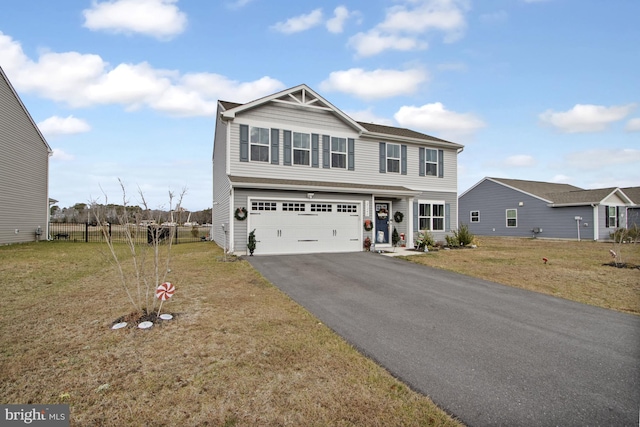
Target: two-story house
308, 178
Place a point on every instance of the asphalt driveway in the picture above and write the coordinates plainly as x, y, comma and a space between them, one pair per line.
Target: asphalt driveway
486, 353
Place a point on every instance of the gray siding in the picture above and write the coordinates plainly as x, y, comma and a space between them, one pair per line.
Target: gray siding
221, 184
492, 200
366, 171
24, 170
449, 198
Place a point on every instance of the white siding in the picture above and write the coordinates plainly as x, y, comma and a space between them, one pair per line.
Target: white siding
24, 163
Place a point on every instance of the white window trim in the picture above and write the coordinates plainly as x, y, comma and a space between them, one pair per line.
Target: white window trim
294, 148
399, 158
471, 217
268, 144
433, 202
427, 162
345, 152
506, 218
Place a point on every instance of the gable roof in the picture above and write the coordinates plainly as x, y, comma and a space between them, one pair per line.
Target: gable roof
302, 95
633, 193
559, 194
24, 109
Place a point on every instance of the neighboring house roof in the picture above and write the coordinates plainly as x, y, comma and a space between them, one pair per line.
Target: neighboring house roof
633, 193
15, 94
560, 194
284, 184
304, 95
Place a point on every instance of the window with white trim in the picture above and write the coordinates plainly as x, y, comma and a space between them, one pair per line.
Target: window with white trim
613, 217
259, 144
431, 162
301, 149
263, 206
431, 216
339, 153
475, 216
393, 158
512, 217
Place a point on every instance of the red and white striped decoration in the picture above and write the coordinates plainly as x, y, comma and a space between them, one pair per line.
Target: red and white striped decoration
165, 291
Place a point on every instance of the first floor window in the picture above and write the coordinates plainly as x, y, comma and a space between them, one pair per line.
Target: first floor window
431, 216
301, 149
259, 141
512, 217
475, 216
339, 153
393, 158
613, 218
431, 162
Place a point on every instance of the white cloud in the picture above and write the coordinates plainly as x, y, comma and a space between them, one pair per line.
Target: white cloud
60, 155
368, 116
54, 126
375, 84
586, 117
374, 42
633, 125
562, 179
83, 80
157, 18
336, 24
405, 23
520, 160
299, 23
435, 118
598, 158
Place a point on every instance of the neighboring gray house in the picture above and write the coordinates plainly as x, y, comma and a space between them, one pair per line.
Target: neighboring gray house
512, 207
633, 212
24, 171
310, 177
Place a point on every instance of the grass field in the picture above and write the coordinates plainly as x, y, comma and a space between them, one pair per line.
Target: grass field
574, 270
238, 351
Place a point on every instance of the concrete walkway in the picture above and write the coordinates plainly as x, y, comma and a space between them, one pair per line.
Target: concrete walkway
486, 353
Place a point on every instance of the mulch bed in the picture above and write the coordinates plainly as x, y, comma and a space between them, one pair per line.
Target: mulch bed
622, 265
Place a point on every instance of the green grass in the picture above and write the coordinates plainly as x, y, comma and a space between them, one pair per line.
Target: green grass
238, 352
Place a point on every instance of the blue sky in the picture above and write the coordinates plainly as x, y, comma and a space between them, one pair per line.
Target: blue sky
543, 90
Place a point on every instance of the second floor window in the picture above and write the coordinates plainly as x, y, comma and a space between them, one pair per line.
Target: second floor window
301, 149
431, 162
259, 144
393, 158
339, 153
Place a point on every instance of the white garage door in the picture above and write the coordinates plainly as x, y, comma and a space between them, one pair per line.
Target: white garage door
297, 227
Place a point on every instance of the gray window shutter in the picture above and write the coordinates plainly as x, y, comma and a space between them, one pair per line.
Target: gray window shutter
447, 217
606, 216
244, 143
351, 154
315, 155
403, 160
275, 146
422, 160
287, 148
416, 222
326, 151
383, 157
440, 163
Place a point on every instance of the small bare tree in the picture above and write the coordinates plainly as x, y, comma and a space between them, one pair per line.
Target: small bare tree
140, 268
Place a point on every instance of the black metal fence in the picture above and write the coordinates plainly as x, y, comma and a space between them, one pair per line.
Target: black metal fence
84, 232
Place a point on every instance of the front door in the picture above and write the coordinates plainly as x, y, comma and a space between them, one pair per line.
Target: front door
383, 210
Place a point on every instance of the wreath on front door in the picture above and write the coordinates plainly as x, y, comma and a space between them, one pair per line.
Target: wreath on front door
241, 214
398, 216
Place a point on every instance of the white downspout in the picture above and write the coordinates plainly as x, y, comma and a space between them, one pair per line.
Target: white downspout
596, 222
409, 237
